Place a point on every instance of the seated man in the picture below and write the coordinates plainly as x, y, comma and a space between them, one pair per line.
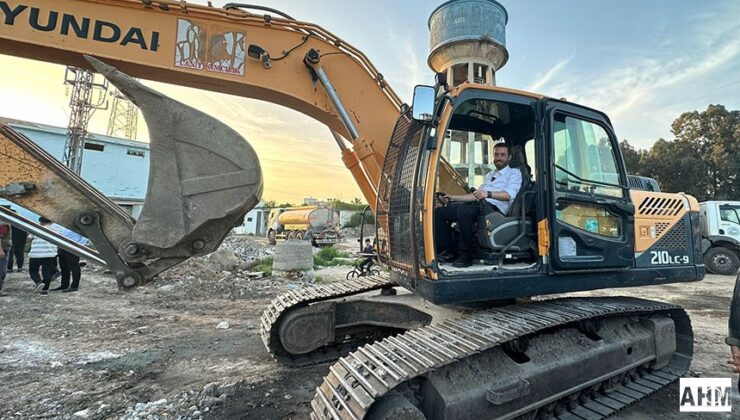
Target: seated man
498, 191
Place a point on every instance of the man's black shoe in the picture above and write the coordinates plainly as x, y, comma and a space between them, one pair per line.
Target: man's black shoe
69, 290
462, 262
445, 257
58, 289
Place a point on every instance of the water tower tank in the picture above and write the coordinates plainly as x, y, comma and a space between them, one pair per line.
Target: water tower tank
468, 40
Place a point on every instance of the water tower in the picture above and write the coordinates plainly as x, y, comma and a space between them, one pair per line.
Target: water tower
468, 44
468, 40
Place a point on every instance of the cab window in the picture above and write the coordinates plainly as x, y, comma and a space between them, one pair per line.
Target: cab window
585, 161
730, 214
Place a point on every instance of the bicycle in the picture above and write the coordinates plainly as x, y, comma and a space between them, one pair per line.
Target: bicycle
358, 271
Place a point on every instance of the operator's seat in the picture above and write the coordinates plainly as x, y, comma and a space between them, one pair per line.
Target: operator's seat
496, 231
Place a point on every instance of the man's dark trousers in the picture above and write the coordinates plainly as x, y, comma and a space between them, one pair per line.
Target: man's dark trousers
18, 249
69, 263
47, 270
465, 214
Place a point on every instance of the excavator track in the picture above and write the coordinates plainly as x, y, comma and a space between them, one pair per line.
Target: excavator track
283, 303
380, 369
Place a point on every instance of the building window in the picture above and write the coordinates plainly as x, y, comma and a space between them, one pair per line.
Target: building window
459, 74
94, 146
480, 73
249, 219
138, 153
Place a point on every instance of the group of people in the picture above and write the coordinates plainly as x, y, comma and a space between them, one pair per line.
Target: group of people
43, 258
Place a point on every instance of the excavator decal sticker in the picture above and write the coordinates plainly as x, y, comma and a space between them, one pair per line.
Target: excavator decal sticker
84, 28
213, 49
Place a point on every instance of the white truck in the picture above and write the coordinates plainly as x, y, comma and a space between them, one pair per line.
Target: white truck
720, 228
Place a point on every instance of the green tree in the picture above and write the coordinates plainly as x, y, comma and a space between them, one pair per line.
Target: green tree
715, 136
677, 167
356, 219
631, 157
341, 205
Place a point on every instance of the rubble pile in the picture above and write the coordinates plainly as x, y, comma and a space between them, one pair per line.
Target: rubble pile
188, 405
227, 273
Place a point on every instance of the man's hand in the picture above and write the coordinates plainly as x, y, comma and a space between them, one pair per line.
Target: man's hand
443, 198
735, 362
480, 195
2, 253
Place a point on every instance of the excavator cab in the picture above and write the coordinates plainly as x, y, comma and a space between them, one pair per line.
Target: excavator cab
571, 224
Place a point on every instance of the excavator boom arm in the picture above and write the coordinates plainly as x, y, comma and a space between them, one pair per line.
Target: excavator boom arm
203, 176
232, 51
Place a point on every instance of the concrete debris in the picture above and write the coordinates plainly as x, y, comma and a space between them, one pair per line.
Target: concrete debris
225, 273
292, 256
223, 325
225, 259
188, 405
83, 414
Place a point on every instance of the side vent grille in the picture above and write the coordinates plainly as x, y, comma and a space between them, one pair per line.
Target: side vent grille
660, 227
661, 206
674, 239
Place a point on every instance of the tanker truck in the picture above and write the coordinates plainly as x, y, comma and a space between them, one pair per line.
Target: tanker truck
320, 225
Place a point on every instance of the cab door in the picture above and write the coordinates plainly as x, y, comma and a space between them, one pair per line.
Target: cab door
591, 214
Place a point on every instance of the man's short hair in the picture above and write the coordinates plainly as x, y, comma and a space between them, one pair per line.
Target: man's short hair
502, 144
367, 240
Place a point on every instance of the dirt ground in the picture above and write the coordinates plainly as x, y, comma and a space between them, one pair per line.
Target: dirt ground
188, 346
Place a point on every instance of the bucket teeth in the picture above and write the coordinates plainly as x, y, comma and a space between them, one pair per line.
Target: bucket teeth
203, 176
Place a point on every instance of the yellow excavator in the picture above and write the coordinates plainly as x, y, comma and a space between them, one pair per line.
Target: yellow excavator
427, 340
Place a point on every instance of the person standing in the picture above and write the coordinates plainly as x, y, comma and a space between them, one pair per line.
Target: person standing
69, 263
5, 244
734, 326
42, 256
18, 249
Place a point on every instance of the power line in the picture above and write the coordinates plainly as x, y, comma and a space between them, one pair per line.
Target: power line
302, 163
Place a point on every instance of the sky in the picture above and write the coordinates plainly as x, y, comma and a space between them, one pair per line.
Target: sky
643, 63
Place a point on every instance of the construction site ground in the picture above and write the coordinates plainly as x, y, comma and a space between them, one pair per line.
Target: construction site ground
188, 345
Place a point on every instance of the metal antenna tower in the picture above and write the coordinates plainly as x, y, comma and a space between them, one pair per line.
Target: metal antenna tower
86, 97
124, 117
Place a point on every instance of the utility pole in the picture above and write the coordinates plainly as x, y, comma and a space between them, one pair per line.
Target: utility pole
87, 96
124, 117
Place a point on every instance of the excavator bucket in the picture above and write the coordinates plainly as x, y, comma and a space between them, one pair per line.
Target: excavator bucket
203, 178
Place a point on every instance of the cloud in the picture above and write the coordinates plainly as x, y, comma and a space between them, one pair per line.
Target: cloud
649, 90
412, 70
544, 79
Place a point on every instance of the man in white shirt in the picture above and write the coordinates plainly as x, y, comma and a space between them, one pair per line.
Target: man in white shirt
498, 191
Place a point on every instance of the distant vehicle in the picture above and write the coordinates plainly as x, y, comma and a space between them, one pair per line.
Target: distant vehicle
643, 183
720, 228
320, 225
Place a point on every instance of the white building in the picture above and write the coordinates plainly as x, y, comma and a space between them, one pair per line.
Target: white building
255, 222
